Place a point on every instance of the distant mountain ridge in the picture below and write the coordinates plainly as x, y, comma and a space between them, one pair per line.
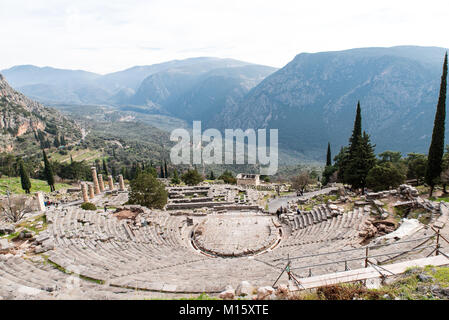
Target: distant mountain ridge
312, 99
60, 86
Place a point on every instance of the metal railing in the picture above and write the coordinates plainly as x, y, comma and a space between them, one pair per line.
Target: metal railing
352, 250
436, 246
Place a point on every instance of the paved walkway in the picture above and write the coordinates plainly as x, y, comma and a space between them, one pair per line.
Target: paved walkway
370, 272
274, 204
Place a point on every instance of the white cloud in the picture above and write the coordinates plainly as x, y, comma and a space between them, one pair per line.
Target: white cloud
106, 35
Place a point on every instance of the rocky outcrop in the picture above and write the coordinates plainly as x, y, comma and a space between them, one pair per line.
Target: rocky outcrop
25, 118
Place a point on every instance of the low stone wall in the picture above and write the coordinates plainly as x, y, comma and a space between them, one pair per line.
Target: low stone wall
191, 200
192, 205
237, 207
404, 190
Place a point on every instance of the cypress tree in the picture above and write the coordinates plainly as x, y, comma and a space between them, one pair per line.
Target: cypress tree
24, 177
360, 157
165, 169
105, 168
97, 165
349, 154
436, 148
328, 169
162, 174
48, 171
124, 173
357, 131
340, 163
56, 142
62, 141
361, 163
328, 156
133, 171
138, 170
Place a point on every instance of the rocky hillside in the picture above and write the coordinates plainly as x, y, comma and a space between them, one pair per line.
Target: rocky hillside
198, 95
312, 100
25, 123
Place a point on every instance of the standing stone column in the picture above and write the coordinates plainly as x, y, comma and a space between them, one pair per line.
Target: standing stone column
84, 192
40, 201
121, 183
100, 182
95, 179
91, 191
111, 183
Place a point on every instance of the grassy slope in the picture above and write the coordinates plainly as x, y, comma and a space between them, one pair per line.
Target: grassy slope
13, 183
409, 286
77, 155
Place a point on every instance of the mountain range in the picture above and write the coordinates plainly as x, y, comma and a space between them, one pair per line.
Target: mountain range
139, 85
311, 100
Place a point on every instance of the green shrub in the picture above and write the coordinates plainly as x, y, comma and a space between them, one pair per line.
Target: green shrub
192, 177
88, 206
381, 177
228, 177
147, 191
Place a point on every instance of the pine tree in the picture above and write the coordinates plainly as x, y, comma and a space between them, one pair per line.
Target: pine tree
340, 163
436, 149
328, 156
48, 171
24, 177
212, 176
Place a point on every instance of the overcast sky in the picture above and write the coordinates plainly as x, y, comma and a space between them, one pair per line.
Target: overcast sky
108, 35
